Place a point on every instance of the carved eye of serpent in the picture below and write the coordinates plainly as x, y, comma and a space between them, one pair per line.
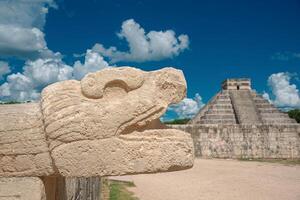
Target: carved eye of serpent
94, 84
91, 81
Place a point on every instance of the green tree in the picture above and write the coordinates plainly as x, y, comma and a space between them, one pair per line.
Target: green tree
10, 102
295, 114
178, 121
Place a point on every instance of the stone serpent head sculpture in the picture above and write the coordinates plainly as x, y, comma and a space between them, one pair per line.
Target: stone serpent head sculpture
105, 124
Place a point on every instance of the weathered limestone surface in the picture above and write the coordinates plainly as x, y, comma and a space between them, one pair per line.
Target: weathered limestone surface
105, 124
25, 188
148, 151
245, 141
23, 147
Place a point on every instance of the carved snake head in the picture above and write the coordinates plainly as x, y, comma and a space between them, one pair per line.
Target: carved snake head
108, 123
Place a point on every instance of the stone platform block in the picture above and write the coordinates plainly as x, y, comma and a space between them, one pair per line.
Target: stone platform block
22, 188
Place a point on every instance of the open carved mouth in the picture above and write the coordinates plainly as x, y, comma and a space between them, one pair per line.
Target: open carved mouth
107, 124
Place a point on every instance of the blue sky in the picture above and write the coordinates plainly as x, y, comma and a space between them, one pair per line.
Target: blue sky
255, 39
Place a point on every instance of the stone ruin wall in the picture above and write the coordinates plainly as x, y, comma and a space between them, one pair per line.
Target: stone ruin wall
244, 141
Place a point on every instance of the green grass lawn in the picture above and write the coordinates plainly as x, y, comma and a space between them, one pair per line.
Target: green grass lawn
118, 190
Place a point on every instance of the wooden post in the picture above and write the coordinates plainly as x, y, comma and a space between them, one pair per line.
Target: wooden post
61, 188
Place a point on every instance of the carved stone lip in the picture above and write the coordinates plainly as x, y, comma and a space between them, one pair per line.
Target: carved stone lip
165, 135
150, 151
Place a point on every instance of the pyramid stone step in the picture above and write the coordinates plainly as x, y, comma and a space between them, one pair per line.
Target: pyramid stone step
261, 101
218, 116
220, 111
264, 103
217, 121
278, 121
224, 96
223, 101
264, 106
221, 106
224, 92
276, 118
275, 115
268, 110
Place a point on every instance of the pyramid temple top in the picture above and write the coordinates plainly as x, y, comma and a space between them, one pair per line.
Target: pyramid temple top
237, 84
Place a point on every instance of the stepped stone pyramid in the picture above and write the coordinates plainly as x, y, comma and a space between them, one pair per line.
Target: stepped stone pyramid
239, 123
237, 103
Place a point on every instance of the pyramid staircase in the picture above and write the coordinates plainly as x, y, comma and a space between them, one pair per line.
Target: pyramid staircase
218, 111
240, 106
244, 107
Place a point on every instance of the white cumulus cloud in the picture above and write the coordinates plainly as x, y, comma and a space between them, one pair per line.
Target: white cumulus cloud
21, 25
154, 45
266, 96
25, 43
4, 69
18, 87
93, 62
25, 13
286, 94
36, 75
188, 107
41, 72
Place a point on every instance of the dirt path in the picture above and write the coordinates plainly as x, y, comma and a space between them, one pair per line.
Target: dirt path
221, 180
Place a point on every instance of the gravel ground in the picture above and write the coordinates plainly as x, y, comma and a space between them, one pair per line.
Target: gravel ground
221, 180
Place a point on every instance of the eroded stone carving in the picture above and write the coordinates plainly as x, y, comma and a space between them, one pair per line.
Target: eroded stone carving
105, 124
